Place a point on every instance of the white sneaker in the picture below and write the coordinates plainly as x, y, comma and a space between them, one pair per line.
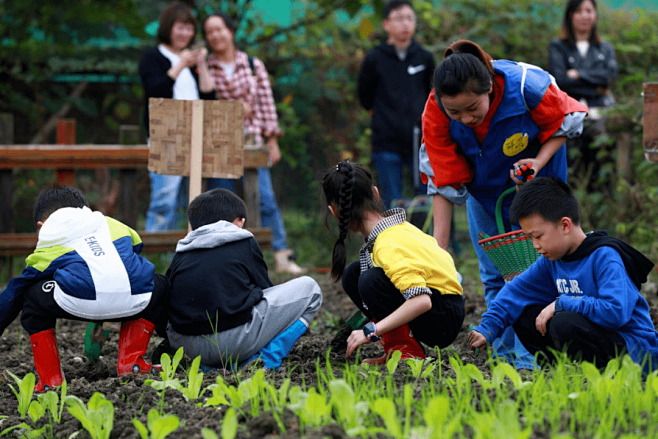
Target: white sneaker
285, 262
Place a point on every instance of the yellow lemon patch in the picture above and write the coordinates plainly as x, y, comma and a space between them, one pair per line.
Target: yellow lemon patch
515, 144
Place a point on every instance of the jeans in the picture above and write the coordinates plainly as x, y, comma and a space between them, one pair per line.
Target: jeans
269, 210
390, 175
168, 195
507, 346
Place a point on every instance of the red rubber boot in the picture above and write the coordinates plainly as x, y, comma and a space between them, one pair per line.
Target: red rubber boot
134, 338
398, 339
46, 360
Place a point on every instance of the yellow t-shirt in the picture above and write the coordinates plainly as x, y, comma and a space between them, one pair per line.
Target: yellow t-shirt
411, 258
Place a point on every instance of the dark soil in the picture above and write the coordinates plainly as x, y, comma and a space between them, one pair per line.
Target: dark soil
132, 399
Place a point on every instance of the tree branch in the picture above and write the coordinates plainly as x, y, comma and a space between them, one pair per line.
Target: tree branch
52, 122
297, 25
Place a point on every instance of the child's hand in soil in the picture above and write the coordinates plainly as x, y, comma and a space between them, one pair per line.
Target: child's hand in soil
476, 340
356, 339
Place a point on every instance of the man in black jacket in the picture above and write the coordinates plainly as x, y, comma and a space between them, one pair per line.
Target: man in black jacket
394, 82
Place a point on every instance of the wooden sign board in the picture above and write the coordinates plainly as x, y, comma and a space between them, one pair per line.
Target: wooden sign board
650, 122
171, 128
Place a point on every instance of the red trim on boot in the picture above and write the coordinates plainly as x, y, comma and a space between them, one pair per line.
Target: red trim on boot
134, 337
398, 339
46, 360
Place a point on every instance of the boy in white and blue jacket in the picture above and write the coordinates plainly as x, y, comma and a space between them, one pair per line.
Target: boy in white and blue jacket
582, 296
86, 266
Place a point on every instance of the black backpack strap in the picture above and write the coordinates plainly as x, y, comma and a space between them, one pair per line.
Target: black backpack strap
252, 66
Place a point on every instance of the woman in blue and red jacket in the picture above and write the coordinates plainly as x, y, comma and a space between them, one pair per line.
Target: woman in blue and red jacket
483, 118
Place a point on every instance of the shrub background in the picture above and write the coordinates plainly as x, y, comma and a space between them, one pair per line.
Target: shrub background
314, 63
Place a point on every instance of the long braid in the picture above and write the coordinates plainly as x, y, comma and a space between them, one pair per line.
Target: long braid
347, 192
339, 255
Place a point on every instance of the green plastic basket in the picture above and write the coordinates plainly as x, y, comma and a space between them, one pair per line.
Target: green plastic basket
512, 253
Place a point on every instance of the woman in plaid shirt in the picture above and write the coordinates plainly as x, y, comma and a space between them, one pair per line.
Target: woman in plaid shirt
238, 77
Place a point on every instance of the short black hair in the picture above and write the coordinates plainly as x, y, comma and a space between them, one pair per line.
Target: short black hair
549, 197
175, 12
54, 198
395, 4
215, 205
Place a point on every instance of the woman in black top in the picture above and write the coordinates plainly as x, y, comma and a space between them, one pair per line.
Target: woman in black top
585, 67
167, 72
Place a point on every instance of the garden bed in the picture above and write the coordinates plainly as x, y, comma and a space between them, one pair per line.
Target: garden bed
313, 370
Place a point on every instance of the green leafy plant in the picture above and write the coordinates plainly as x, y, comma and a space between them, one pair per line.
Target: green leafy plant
54, 403
349, 412
386, 410
167, 374
207, 433
393, 362
194, 381
97, 418
157, 426
36, 409
230, 424
23, 391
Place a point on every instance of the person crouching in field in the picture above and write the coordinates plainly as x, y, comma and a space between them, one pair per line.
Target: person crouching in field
86, 266
403, 282
223, 305
582, 296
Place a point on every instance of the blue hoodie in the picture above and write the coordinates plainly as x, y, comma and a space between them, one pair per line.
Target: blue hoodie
596, 286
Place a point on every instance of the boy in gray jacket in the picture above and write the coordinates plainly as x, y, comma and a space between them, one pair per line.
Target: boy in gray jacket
223, 305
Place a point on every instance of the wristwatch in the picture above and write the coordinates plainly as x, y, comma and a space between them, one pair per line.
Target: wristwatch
369, 331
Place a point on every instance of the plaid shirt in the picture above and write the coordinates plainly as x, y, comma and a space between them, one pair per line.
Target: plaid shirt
392, 217
253, 89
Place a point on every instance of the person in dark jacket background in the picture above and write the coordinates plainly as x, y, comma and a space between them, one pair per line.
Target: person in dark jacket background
585, 67
394, 82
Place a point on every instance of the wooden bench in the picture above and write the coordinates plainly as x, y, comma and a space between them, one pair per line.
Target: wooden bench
65, 159
23, 244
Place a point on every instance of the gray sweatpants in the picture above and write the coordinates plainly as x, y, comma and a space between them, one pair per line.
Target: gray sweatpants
281, 306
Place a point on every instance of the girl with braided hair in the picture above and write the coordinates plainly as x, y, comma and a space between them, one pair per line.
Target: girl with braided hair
403, 282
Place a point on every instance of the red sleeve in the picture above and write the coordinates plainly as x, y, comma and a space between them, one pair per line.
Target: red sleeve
449, 165
550, 112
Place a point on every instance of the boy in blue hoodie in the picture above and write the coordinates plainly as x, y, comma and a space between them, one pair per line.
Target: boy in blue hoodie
86, 267
582, 296
223, 305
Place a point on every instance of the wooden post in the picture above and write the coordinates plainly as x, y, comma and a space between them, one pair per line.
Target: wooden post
66, 136
650, 122
624, 141
7, 223
251, 195
196, 150
128, 135
621, 128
